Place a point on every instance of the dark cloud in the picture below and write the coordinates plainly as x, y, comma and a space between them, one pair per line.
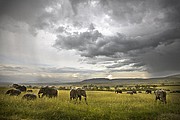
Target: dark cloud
163, 58
91, 27
140, 50
119, 64
23, 10
75, 3
135, 11
61, 29
79, 41
32, 13
171, 11
93, 43
132, 12
129, 11
124, 12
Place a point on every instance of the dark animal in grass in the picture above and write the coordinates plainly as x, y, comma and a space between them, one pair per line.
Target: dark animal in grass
139, 92
47, 91
29, 97
29, 90
175, 91
13, 92
77, 93
130, 92
161, 95
19, 87
134, 91
118, 91
167, 89
148, 91
15, 85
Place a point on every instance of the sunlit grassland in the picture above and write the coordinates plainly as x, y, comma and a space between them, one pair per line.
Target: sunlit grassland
102, 105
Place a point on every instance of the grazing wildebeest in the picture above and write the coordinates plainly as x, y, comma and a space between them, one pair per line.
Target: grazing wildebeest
161, 95
19, 87
175, 91
148, 91
13, 92
130, 92
118, 91
29, 97
77, 93
29, 90
49, 92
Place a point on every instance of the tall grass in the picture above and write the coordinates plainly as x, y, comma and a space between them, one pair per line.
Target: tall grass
101, 106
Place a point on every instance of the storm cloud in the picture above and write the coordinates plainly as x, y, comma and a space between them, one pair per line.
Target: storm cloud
106, 35
154, 50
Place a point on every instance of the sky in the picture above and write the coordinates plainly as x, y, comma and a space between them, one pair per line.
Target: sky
73, 40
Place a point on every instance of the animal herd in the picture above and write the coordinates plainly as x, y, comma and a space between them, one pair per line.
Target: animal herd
159, 94
74, 93
45, 91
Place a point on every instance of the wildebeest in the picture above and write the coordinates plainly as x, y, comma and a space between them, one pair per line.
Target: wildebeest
19, 87
29, 90
13, 92
175, 91
47, 91
29, 97
77, 93
139, 92
148, 91
130, 92
161, 95
118, 91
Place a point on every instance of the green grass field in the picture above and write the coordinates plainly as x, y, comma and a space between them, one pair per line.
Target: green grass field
102, 105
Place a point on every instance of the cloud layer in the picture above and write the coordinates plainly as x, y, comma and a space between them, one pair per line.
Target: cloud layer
156, 50
115, 35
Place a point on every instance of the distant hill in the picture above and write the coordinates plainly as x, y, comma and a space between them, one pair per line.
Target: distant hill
177, 76
131, 80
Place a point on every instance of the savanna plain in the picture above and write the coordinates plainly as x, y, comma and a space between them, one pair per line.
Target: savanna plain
102, 105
